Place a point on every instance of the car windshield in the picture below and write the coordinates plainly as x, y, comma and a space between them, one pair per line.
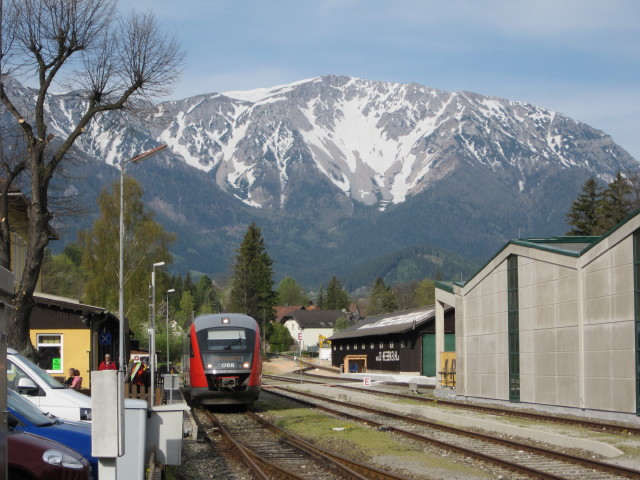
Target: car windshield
27, 410
44, 376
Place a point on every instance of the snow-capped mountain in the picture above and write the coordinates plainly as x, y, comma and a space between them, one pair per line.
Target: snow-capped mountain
347, 166
376, 142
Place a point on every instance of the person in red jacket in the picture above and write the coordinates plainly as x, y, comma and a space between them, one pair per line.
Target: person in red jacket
107, 364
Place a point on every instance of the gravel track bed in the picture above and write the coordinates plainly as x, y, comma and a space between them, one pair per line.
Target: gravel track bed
211, 457
271, 447
470, 469
531, 460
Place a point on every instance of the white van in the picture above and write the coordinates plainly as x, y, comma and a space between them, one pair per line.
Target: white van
43, 390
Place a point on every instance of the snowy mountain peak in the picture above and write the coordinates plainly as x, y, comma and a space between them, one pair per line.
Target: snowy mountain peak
378, 143
263, 94
340, 170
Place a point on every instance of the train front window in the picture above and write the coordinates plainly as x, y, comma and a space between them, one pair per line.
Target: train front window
224, 340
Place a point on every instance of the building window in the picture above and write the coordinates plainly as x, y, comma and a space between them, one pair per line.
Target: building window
347, 346
391, 344
340, 347
373, 345
513, 328
381, 344
49, 348
364, 346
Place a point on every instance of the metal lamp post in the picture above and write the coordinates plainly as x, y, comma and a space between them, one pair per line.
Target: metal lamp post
136, 159
169, 376
171, 290
152, 341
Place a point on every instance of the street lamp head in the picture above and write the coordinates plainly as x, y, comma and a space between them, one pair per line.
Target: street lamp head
171, 290
147, 154
159, 264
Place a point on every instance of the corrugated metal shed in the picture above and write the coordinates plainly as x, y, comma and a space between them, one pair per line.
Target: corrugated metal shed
397, 322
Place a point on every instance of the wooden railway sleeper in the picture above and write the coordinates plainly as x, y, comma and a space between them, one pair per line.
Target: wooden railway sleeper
355, 470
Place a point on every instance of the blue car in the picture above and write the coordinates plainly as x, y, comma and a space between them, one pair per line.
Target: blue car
25, 416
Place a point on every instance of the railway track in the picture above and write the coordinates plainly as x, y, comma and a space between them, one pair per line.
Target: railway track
596, 426
282, 378
271, 453
522, 459
504, 412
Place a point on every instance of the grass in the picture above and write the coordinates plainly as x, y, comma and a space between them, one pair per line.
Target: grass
362, 442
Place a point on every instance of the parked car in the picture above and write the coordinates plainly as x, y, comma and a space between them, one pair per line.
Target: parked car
44, 391
25, 416
31, 457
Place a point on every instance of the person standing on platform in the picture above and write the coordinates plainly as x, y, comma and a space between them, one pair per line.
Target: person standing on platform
107, 364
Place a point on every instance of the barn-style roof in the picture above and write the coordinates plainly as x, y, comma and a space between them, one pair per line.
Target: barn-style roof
397, 322
317, 318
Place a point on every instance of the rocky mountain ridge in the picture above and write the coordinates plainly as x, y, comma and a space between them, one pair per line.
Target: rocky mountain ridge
338, 170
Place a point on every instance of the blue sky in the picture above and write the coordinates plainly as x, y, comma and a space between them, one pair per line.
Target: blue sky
577, 57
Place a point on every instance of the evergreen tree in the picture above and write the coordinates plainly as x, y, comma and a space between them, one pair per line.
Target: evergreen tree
381, 300
426, 293
336, 298
290, 293
207, 297
186, 311
188, 285
615, 204
583, 217
279, 338
634, 182
252, 284
145, 242
320, 301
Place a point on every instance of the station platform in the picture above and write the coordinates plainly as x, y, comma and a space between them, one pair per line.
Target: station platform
418, 380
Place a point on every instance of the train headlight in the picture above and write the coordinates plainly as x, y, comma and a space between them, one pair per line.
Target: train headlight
245, 364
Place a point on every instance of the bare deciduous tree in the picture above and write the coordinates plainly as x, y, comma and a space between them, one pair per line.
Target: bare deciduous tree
108, 61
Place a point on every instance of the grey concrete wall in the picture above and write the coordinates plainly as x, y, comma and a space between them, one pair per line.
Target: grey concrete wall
577, 327
484, 337
549, 327
609, 330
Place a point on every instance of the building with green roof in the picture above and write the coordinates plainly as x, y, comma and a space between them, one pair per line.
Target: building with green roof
551, 321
